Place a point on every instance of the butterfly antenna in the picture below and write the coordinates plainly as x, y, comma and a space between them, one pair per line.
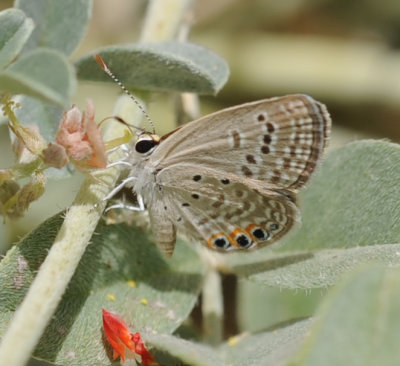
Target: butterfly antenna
126, 91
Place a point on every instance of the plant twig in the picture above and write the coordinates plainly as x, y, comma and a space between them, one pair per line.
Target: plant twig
49, 285
212, 307
163, 20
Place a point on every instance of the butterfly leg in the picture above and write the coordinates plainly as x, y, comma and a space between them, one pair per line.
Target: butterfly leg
123, 148
119, 187
139, 207
120, 163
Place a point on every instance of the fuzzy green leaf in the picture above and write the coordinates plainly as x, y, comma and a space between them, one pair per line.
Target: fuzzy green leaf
313, 269
37, 362
349, 217
273, 347
172, 66
117, 256
358, 322
15, 29
260, 307
46, 116
60, 25
351, 200
42, 73
188, 352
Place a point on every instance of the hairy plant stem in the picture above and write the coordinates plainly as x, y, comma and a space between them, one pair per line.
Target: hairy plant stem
212, 307
42, 298
163, 23
164, 19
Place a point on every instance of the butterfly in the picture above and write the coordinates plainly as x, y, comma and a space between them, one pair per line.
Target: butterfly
229, 179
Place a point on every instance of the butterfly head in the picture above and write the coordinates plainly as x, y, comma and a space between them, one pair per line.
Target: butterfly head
146, 143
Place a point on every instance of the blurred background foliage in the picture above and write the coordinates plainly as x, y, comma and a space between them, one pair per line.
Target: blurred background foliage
343, 53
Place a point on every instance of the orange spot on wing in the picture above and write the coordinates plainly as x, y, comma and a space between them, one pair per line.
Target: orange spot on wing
215, 236
234, 234
210, 241
249, 229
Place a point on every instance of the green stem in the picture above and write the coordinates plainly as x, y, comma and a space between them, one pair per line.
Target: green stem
212, 307
163, 20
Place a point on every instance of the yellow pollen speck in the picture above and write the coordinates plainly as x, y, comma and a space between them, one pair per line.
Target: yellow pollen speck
232, 341
131, 283
111, 297
144, 301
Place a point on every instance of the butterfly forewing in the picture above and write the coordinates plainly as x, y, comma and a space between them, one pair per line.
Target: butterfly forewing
277, 141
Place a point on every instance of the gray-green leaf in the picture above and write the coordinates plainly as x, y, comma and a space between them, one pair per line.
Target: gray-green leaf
190, 353
273, 347
60, 25
173, 66
352, 200
311, 269
358, 324
15, 29
43, 73
46, 116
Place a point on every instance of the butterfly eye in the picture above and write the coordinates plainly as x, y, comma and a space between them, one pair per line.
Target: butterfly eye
146, 143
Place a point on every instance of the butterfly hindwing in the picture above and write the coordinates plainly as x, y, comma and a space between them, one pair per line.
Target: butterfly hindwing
225, 213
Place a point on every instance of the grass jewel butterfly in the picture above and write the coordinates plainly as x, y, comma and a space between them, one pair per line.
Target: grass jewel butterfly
229, 179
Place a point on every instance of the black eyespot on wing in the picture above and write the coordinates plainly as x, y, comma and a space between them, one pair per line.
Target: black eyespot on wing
260, 233
243, 240
221, 242
144, 146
